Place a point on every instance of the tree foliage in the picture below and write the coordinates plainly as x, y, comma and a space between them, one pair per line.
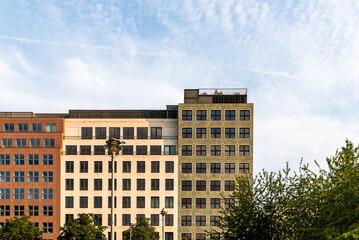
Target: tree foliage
19, 229
306, 204
84, 227
141, 230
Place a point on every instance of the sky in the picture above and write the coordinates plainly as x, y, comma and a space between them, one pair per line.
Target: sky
298, 60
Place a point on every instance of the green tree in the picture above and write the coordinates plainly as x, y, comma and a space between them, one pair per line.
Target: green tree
20, 229
306, 204
141, 230
84, 227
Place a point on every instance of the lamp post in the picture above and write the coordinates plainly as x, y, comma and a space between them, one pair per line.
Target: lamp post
163, 213
114, 147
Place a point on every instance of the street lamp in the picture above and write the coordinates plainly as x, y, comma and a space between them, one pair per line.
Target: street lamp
163, 213
114, 147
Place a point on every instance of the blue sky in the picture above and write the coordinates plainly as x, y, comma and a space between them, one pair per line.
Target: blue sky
298, 59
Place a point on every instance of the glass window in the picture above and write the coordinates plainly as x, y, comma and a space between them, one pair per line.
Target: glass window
19, 176
169, 202
98, 167
69, 202
48, 159
127, 150
97, 184
4, 193
9, 127
142, 133
84, 166
170, 150
140, 202
69, 184
230, 115
33, 210
4, 159
110, 167
215, 203
186, 132
110, 203
141, 184
201, 150
7, 142
200, 185
215, 150
187, 115
186, 167
21, 142
141, 166
229, 150
214, 220
155, 166
126, 167
110, 184
85, 150
50, 127
215, 185
229, 185
201, 115
155, 219
71, 150
84, 184
169, 166
244, 115
156, 132
33, 176
155, 184
99, 150
35, 143
169, 219
186, 220
37, 127
19, 210
84, 202
230, 168
155, 150
155, 202
230, 133
47, 210
126, 219
141, 150
69, 166
115, 132
186, 203
216, 115
169, 184
215, 133
49, 143
215, 168
201, 168
19, 193
186, 236
201, 132
244, 133
128, 133
126, 184
244, 168
186, 150
244, 150
23, 127
186, 185
86, 133
97, 202
47, 193
19, 159
100, 133
4, 176
201, 203
200, 220
33, 159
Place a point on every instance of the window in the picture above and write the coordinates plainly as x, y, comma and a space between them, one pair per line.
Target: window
97, 184
140, 216
244, 150
169, 202
85, 150
186, 132
244, 115
156, 132
215, 115
186, 220
19, 193
141, 184
47, 193
37, 127
19, 176
128, 133
186, 115
229, 185
186, 203
47, 176
215, 168
115, 132
127, 150
5, 210
214, 236
110, 167
200, 185
47, 210
98, 167
4, 176
169, 219
33, 210
214, 220
9, 127
126, 184
201, 168
71, 150
84, 167
200, 236
155, 184
230, 133
109, 202
84, 184
99, 150
100, 133
98, 219
186, 150
68, 217
244, 168
19, 210
201, 132
86, 133
47, 159
201, 150
168, 235
169, 166
140, 202
97, 202
83, 202
155, 166
126, 219
109, 221
35, 142
200, 203
155, 202
186, 167
186, 185
32, 193
33, 159
50, 127
21, 142
230, 115
4, 193
69, 202
110, 184
201, 115
69, 184
141, 150
170, 150
155, 219
200, 220
215, 133
142, 133
47, 227
6, 142
186, 236
215, 203
49, 143
229, 167
215, 185
141, 166
169, 184
69, 166
126, 167
215, 150
155, 150
229, 150
244, 133
4, 159
19, 159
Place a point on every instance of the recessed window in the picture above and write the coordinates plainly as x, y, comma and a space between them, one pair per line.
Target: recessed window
141, 166
214, 221
141, 184
47, 193
140, 202
170, 150
47, 159
229, 150
126, 219
7, 142
9, 127
4, 159
127, 150
69, 166
201, 115
156, 132
126, 167
216, 115
35, 142
244, 133
71, 150
49, 143
69, 184
33, 176
186, 220
21, 142
155, 150
84, 166
115, 132
215, 133
244, 168
229, 168
200, 236
47, 210
98, 167
215, 168
4, 176
110, 184
84, 202
19, 176
215, 203
244, 150
229, 185
110, 167
128, 133
33, 210
169, 202
230, 115
33, 159
155, 166
155, 184
97, 184
230, 133
84, 184
19, 159
126, 184
169, 220
19, 210
186, 115
97, 202
155, 202
200, 203
186, 132
186, 167
201, 132
186, 185
186, 150
215, 150
186, 203
201, 150
4, 193
142, 133
155, 219
141, 150
186, 236
36, 127
86, 133
215, 185
50, 127
32, 193
244, 115
200, 220
100, 133
169, 166
169, 184
99, 150
200, 185
201, 167
69, 202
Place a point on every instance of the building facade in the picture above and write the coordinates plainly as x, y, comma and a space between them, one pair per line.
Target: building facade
182, 159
